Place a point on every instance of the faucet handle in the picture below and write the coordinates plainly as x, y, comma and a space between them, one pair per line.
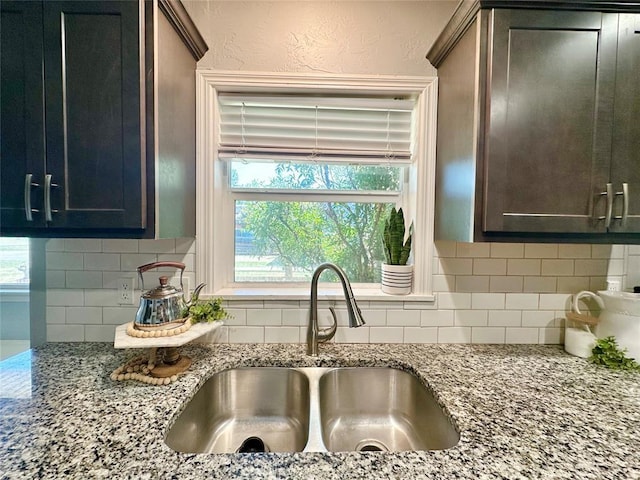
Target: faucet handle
327, 334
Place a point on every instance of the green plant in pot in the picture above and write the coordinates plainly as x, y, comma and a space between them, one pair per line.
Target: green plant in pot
396, 274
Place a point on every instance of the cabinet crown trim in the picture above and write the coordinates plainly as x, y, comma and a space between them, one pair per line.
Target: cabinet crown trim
183, 24
466, 11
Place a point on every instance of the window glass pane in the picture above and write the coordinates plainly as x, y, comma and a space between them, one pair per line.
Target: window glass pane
14, 260
285, 241
312, 176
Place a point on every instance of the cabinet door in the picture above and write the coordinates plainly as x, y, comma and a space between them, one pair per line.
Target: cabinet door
22, 116
625, 165
93, 109
550, 107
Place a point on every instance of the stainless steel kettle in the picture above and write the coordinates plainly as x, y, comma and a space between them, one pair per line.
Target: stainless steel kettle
164, 305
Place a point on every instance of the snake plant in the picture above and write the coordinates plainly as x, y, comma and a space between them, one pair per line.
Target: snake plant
396, 248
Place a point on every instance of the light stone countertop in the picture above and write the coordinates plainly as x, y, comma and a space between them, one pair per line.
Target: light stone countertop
523, 412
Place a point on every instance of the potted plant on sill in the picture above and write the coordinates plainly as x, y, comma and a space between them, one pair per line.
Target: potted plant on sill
396, 274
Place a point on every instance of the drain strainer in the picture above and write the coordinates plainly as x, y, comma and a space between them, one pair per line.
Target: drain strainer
369, 445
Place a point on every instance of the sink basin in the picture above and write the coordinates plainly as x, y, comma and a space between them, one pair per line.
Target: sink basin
234, 405
380, 409
312, 409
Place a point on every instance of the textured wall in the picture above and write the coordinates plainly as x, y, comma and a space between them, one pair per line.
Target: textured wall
372, 37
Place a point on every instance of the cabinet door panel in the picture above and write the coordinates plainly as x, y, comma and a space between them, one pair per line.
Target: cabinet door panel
22, 116
93, 107
625, 165
550, 108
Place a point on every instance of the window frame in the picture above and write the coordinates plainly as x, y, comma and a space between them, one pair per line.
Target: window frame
214, 245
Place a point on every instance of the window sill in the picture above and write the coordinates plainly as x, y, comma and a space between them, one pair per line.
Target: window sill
298, 294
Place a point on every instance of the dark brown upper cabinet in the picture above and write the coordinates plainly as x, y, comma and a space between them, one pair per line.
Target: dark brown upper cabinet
538, 137
98, 119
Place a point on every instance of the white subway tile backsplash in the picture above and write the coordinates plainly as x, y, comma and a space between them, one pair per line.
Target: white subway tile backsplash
437, 318
506, 284
591, 267
281, 334
118, 245
454, 335
541, 250
296, 316
101, 298
507, 250
487, 335
489, 266
56, 315
264, 316
521, 335
84, 315
65, 261
420, 335
557, 267
489, 301
551, 335
573, 284
56, 279
449, 301
99, 333
555, 301
157, 246
540, 284
372, 317
473, 250
102, 261
472, 283
523, 266
444, 283
129, 262
505, 318
445, 248
574, 251
470, 318
455, 266
349, 335
55, 245
83, 279
522, 301
82, 245
65, 333
403, 318
386, 334
484, 293
118, 315
538, 318
185, 245
65, 297
246, 334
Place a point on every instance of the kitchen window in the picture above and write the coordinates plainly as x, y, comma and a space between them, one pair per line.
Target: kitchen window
297, 170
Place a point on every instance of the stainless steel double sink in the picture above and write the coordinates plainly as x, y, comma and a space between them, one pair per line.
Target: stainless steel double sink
312, 409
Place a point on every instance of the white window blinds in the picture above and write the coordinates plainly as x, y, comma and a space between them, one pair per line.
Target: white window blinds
328, 129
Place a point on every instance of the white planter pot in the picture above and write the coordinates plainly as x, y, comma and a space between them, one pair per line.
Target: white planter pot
397, 279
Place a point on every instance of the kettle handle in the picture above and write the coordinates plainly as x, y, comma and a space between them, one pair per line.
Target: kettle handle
586, 293
152, 265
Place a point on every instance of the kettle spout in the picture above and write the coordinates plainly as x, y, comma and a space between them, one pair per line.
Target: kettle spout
194, 295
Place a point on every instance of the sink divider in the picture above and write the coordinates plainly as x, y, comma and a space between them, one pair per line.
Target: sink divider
315, 443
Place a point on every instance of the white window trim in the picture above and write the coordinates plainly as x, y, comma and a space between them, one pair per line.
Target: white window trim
212, 241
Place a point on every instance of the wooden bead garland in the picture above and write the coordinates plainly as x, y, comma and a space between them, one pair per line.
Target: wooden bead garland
133, 332
139, 369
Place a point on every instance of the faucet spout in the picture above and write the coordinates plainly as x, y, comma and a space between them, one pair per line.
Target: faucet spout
314, 334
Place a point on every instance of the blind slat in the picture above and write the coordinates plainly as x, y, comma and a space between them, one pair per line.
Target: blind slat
281, 126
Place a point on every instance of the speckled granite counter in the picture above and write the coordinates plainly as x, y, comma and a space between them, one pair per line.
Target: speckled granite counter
523, 412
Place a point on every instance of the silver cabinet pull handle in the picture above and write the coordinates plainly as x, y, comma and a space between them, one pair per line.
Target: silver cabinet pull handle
609, 212
625, 203
47, 198
28, 183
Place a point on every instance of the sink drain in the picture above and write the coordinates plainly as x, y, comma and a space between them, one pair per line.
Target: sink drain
371, 446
